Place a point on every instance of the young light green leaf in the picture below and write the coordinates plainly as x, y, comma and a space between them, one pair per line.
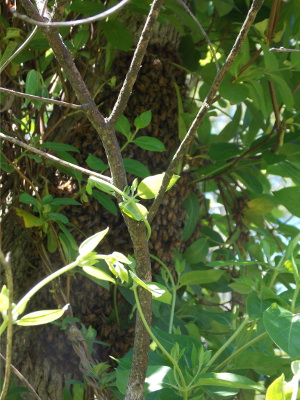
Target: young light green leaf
276, 389
4, 302
99, 184
143, 120
97, 273
159, 292
120, 257
90, 243
29, 219
40, 317
134, 210
149, 143
149, 187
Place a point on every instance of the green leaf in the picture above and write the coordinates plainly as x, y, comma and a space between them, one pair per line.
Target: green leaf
92, 242
234, 92
69, 236
228, 380
58, 217
51, 241
34, 157
134, 210
86, 7
117, 34
63, 201
149, 187
200, 277
276, 389
283, 90
97, 273
4, 166
96, 163
197, 251
191, 205
143, 120
123, 126
40, 317
284, 329
289, 198
27, 199
57, 146
159, 292
256, 306
136, 168
223, 151
105, 201
149, 143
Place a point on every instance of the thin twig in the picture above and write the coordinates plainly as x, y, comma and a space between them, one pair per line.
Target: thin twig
43, 99
22, 378
88, 20
136, 62
181, 2
9, 280
283, 49
53, 158
19, 49
256, 5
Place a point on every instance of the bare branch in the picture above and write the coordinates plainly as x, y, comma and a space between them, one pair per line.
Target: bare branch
256, 5
88, 20
43, 99
136, 62
181, 2
22, 379
18, 51
284, 50
53, 158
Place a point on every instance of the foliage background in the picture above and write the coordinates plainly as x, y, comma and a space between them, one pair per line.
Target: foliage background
235, 269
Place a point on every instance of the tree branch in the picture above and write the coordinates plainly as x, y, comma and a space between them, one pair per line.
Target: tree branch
53, 158
136, 62
88, 20
256, 5
43, 99
137, 231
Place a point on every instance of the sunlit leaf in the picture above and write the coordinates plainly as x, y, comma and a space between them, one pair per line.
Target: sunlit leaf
40, 317
97, 273
149, 187
92, 242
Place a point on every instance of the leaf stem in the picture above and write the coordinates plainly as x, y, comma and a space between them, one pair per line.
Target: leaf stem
184, 388
34, 290
174, 288
226, 344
